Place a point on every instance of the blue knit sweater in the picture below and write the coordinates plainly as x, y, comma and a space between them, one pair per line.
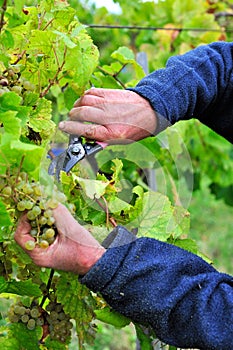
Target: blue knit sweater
187, 302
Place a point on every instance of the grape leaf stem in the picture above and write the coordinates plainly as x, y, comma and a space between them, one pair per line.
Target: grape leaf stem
3, 10
47, 287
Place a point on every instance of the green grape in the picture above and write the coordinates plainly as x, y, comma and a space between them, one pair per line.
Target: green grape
17, 89
53, 315
31, 324
21, 206
24, 318
17, 310
43, 244
22, 310
7, 191
58, 308
52, 203
40, 321
37, 190
27, 188
30, 245
61, 316
30, 215
35, 313
42, 220
33, 232
13, 318
34, 224
49, 233
42, 205
36, 210
50, 240
51, 221
28, 86
48, 213
28, 204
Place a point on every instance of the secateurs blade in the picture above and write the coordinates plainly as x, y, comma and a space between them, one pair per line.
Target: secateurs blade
75, 152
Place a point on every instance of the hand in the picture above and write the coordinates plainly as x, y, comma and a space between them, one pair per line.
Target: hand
74, 249
113, 116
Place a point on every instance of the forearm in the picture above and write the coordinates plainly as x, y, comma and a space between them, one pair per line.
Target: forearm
198, 84
185, 300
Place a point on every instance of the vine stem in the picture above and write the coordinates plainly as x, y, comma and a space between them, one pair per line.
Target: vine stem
105, 208
48, 287
3, 10
54, 79
115, 75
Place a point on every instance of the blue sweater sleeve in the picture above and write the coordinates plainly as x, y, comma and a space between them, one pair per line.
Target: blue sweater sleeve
184, 299
198, 84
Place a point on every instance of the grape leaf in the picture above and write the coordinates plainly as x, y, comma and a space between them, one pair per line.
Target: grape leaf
4, 216
156, 217
92, 188
69, 43
54, 345
7, 39
9, 343
11, 123
78, 303
125, 56
20, 338
32, 154
19, 287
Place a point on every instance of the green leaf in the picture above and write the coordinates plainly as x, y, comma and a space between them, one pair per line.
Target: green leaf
67, 41
112, 317
123, 54
54, 345
116, 205
11, 123
9, 343
126, 56
20, 338
10, 101
92, 188
19, 287
7, 39
187, 244
156, 218
4, 216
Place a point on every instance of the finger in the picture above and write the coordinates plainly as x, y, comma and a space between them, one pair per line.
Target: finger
88, 113
22, 230
90, 131
63, 219
88, 100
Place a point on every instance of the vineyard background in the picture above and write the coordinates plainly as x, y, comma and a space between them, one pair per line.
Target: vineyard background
191, 164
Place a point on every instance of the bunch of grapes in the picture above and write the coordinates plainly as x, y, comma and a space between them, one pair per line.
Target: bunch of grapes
11, 80
31, 316
37, 202
59, 323
56, 322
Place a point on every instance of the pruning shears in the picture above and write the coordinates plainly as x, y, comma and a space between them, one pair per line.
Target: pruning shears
74, 153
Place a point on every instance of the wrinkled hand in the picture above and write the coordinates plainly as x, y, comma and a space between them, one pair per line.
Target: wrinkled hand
113, 116
74, 249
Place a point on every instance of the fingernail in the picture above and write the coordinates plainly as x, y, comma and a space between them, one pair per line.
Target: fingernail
61, 125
